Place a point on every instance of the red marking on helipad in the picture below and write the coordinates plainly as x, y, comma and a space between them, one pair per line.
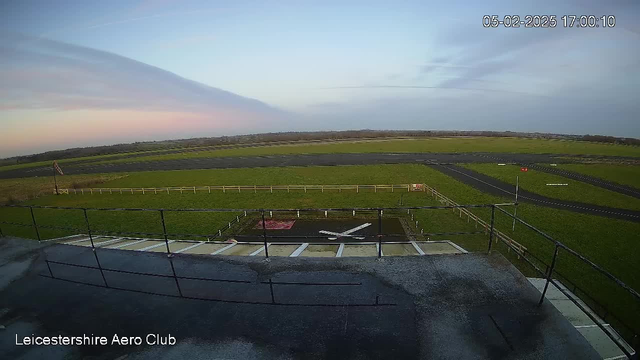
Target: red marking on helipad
276, 224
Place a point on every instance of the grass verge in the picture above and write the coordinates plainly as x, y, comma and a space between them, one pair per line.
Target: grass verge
536, 181
621, 174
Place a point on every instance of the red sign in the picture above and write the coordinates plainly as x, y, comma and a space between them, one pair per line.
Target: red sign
525, 169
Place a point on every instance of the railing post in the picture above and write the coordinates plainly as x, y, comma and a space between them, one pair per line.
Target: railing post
493, 216
86, 220
264, 235
379, 233
549, 274
35, 225
164, 231
93, 248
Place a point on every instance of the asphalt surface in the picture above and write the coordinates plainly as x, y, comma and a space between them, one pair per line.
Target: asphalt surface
470, 306
496, 187
284, 160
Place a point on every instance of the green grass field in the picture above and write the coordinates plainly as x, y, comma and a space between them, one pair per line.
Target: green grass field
610, 243
409, 146
536, 181
20, 189
621, 174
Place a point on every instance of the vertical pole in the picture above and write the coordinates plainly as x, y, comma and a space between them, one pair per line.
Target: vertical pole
379, 233
1, 234
264, 235
54, 179
35, 225
93, 247
166, 238
493, 216
549, 274
86, 220
515, 207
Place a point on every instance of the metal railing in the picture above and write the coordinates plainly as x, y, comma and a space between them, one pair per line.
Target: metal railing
489, 227
244, 213
241, 188
548, 274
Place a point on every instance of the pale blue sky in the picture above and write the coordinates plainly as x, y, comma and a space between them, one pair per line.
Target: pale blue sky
168, 69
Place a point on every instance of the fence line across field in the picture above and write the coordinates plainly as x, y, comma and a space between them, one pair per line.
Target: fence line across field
519, 249
245, 188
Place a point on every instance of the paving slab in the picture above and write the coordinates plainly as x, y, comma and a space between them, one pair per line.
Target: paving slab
141, 245
174, 246
320, 251
281, 250
359, 250
398, 250
241, 249
206, 248
437, 248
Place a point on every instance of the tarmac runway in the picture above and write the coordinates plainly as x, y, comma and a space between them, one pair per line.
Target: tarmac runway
291, 160
496, 187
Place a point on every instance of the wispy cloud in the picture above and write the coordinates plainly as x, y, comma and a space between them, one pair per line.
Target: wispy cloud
56, 95
38, 73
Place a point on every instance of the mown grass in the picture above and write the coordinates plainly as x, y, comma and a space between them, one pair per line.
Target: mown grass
608, 242
536, 181
17, 190
476, 144
621, 174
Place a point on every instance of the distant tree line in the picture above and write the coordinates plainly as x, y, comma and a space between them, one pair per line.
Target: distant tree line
283, 137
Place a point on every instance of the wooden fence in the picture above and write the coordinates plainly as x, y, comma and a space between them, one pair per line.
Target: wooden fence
511, 244
245, 188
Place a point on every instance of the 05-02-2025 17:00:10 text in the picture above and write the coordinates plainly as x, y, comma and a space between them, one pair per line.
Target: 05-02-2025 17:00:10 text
549, 21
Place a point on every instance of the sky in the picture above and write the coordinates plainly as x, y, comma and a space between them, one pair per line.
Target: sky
84, 73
